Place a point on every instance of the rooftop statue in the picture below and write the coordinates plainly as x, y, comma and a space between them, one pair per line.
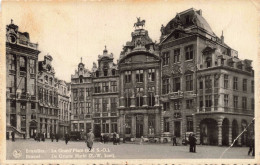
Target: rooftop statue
139, 22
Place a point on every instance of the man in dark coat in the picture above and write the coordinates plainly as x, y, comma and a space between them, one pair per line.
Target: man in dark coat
174, 141
43, 136
90, 140
57, 137
13, 136
67, 137
191, 142
252, 146
194, 140
114, 138
52, 137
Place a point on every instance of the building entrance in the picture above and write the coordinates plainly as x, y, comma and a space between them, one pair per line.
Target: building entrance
33, 129
139, 126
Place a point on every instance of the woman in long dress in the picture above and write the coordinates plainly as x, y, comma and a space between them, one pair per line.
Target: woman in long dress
90, 140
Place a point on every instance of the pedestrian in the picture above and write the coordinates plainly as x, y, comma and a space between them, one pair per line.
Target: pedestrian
252, 146
67, 138
43, 136
141, 141
117, 138
101, 138
90, 139
194, 140
114, 138
174, 142
57, 137
13, 136
52, 137
191, 142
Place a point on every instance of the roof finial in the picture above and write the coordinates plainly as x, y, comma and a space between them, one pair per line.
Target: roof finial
105, 50
222, 33
80, 59
12, 21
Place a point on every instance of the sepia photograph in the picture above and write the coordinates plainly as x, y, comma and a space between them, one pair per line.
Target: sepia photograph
129, 82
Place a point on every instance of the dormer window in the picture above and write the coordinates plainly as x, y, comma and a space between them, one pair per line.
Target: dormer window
50, 81
105, 72
80, 79
113, 72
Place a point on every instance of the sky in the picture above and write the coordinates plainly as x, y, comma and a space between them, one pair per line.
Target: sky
69, 30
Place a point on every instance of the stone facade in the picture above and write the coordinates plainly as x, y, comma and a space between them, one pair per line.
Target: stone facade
202, 81
48, 106
95, 94
139, 83
21, 82
64, 107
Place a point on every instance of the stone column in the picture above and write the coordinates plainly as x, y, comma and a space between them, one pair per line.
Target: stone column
158, 123
145, 128
28, 118
157, 87
8, 111
230, 133
121, 83
18, 116
240, 129
145, 104
220, 135
109, 125
133, 126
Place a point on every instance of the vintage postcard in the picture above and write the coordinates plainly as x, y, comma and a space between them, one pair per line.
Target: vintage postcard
129, 82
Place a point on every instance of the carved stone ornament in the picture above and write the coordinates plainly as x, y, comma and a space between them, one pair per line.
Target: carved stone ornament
176, 69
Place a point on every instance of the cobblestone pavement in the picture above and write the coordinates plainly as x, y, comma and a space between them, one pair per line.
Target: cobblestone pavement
30, 149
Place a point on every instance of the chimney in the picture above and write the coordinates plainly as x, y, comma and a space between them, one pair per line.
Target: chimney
222, 38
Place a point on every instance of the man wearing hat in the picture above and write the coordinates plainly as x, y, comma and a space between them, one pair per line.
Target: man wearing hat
90, 139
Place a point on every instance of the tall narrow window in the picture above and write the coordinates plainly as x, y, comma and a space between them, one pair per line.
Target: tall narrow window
166, 106
88, 92
128, 75
81, 94
151, 98
252, 86
113, 104
32, 66
244, 103
165, 58
189, 104
235, 99
225, 81
22, 64
225, 100
208, 101
177, 104
189, 83
127, 97
75, 94
97, 105
88, 106
12, 62
208, 82
105, 72
139, 97
244, 85
166, 86
139, 75
105, 105
12, 83
97, 87
176, 56
235, 86
114, 86
189, 52
166, 124
176, 84
151, 75
105, 87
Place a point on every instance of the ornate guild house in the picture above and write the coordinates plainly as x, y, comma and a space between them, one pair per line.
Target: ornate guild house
21, 82
189, 82
139, 83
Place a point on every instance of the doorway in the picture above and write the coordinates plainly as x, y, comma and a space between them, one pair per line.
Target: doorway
139, 126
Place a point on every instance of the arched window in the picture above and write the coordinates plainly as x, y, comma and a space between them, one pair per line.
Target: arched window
208, 62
